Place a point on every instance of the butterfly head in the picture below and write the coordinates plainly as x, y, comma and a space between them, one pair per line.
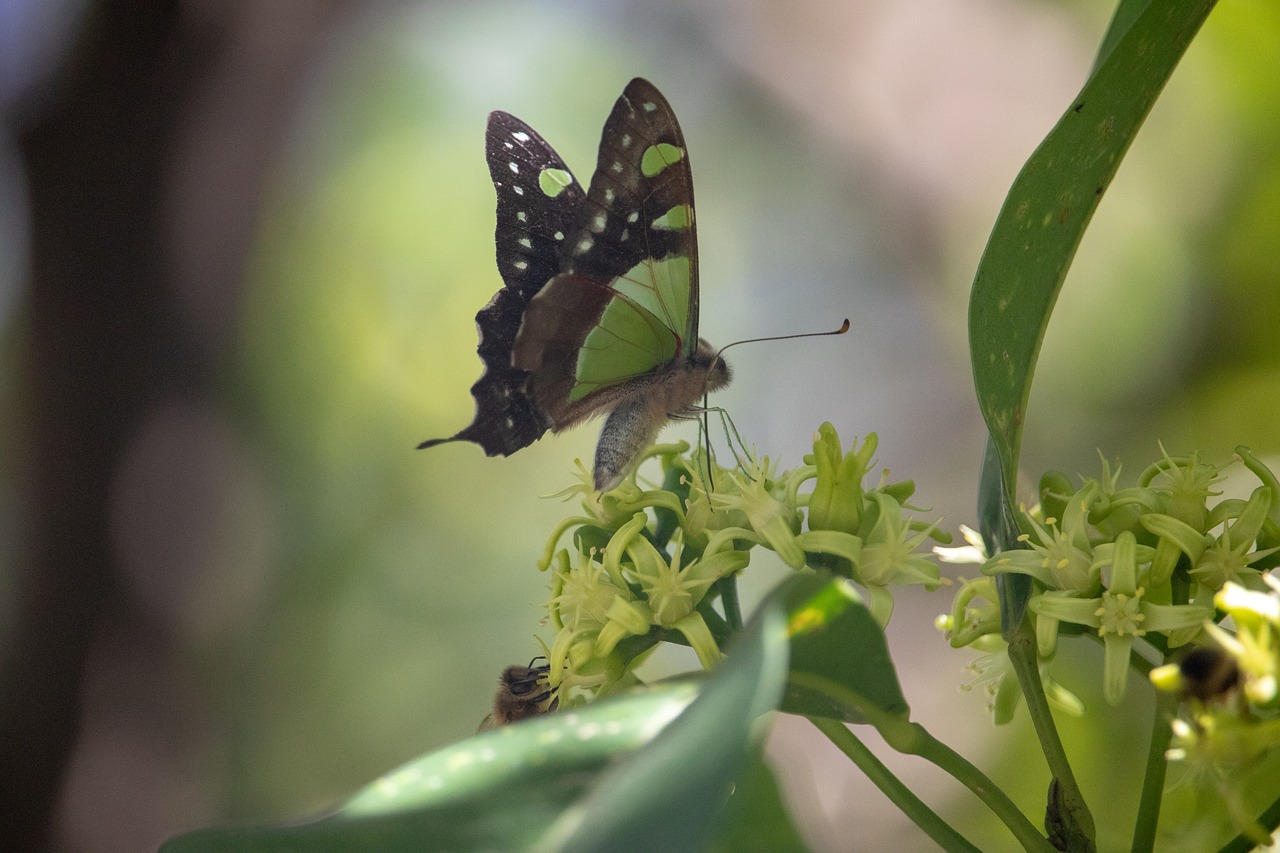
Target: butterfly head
707, 360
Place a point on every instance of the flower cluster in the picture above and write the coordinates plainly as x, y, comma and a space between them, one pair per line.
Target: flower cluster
653, 565
1141, 564
1233, 701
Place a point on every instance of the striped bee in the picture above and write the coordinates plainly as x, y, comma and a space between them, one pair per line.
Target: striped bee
523, 692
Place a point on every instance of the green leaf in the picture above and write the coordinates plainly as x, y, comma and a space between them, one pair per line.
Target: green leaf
840, 664
666, 797
1045, 214
497, 790
1036, 235
645, 771
756, 819
1000, 532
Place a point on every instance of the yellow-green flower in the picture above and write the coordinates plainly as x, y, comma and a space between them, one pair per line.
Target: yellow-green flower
836, 501
1228, 557
1120, 615
1188, 482
591, 611
993, 672
1219, 749
674, 591
969, 621
888, 555
1255, 645
773, 521
1060, 554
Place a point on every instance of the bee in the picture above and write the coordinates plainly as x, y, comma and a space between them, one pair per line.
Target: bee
1208, 673
523, 692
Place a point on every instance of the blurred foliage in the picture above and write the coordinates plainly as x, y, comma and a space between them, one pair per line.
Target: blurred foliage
358, 341
400, 583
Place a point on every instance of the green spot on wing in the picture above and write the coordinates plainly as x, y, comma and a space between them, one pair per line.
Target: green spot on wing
658, 157
676, 219
553, 181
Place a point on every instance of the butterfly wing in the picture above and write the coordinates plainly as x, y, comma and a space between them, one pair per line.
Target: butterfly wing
625, 303
601, 288
538, 211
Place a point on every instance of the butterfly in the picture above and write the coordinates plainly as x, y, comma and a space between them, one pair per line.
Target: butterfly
598, 313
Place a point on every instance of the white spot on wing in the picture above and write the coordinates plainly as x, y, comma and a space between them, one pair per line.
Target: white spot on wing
521, 217
518, 190
515, 168
598, 222
584, 245
633, 216
521, 264
626, 140
616, 167
520, 136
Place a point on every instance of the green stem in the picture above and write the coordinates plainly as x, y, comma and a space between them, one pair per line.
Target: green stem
1243, 842
947, 759
1022, 654
892, 787
1144, 830
729, 600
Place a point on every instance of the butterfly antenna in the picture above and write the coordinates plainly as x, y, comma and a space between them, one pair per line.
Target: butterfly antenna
844, 327
704, 425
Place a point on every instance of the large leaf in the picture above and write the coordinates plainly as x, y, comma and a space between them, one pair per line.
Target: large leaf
1017, 283
497, 790
1051, 203
756, 818
575, 780
840, 664
1036, 236
667, 796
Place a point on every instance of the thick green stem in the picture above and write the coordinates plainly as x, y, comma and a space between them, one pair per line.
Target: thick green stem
1268, 820
729, 600
1144, 830
1022, 654
925, 745
899, 794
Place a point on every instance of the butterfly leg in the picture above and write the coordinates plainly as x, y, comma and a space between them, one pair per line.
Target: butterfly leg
698, 414
732, 437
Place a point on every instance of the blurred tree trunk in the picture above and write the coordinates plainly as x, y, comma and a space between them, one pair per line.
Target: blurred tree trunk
145, 171
99, 348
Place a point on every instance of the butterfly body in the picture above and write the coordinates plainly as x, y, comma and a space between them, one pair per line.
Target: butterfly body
652, 401
599, 312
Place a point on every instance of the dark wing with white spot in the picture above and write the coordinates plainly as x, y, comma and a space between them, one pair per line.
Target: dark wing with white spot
538, 202
640, 204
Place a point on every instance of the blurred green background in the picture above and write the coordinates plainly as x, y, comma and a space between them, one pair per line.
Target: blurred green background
275, 598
